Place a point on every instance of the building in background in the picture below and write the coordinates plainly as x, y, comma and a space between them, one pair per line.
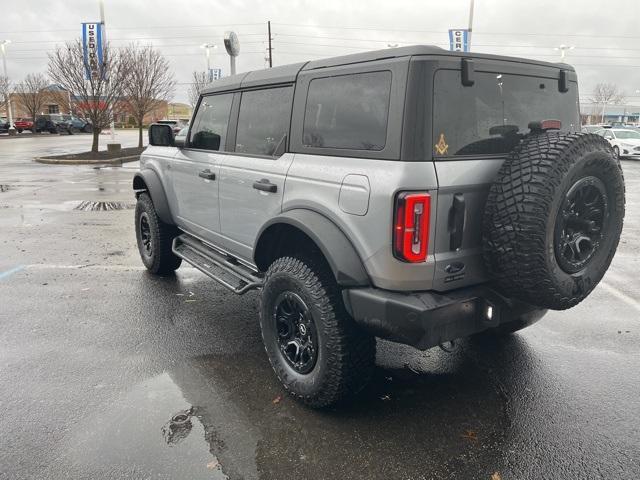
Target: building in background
179, 111
591, 114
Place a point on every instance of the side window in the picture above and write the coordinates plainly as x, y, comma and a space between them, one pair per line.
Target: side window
348, 111
608, 135
210, 123
263, 121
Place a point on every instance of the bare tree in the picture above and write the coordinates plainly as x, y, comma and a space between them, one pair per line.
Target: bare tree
607, 94
150, 83
97, 97
31, 94
198, 82
5, 87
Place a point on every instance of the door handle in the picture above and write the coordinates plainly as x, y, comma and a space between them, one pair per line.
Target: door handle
207, 174
265, 185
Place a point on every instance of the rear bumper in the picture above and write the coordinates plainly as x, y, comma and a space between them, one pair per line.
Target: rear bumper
426, 319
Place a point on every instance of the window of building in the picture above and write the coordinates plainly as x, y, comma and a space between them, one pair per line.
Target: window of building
54, 109
348, 111
263, 122
493, 115
210, 124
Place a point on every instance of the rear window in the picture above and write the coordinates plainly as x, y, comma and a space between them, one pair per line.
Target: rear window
490, 117
348, 111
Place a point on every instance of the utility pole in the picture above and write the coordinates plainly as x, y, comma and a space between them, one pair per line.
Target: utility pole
3, 45
470, 24
270, 49
112, 126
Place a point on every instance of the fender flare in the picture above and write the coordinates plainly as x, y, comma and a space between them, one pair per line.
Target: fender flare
344, 261
150, 181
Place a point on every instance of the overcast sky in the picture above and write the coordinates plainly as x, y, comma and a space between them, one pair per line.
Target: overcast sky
606, 35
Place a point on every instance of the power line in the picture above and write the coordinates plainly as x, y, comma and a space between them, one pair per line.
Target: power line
445, 31
137, 27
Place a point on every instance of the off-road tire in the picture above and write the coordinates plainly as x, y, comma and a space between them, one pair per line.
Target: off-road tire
161, 259
524, 202
346, 355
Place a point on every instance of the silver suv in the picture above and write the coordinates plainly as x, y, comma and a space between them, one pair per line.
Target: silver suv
412, 194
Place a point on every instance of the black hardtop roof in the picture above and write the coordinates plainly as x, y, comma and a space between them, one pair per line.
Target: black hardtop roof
288, 73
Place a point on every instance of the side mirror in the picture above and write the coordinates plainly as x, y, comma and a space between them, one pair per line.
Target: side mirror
161, 135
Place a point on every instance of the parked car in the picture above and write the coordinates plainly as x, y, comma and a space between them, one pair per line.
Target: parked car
4, 125
77, 124
625, 141
176, 125
52, 123
383, 194
23, 124
181, 136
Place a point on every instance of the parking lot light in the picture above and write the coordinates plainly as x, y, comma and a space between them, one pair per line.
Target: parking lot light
3, 46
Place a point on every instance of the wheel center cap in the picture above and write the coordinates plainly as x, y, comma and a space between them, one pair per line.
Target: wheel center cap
303, 329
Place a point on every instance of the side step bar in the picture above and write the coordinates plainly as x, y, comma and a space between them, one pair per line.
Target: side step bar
214, 264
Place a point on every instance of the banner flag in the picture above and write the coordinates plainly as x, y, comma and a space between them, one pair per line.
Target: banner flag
92, 49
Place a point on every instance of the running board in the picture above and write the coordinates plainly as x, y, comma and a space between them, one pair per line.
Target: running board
224, 269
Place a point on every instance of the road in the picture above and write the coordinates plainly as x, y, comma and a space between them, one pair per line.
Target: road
96, 356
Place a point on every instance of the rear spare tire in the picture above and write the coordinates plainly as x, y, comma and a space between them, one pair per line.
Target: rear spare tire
553, 218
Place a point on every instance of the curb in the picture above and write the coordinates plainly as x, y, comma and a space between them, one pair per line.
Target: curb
66, 161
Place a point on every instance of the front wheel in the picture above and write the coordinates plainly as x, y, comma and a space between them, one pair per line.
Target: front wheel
155, 238
315, 348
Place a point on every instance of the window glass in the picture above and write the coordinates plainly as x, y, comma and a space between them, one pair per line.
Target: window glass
209, 130
263, 120
493, 115
348, 111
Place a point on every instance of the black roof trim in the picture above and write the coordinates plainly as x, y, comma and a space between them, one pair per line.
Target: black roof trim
288, 73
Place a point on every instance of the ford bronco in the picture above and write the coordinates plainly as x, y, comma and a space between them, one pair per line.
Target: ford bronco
412, 194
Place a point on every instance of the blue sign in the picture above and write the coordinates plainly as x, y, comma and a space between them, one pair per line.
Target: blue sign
459, 40
215, 74
92, 49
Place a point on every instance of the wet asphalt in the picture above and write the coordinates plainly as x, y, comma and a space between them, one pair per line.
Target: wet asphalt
97, 356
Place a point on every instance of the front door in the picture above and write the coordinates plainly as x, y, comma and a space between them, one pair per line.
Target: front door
195, 169
252, 179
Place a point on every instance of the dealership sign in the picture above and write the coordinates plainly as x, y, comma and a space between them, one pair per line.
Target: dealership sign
215, 74
459, 40
92, 49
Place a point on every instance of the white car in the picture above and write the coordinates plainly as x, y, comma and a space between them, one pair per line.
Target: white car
625, 142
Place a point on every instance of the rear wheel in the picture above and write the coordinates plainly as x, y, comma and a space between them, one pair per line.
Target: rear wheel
154, 238
315, 348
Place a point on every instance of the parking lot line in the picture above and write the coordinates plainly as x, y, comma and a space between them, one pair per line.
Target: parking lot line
632, 302
10, 272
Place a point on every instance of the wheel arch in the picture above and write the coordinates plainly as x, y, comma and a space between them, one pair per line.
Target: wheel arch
148, 180
291, 229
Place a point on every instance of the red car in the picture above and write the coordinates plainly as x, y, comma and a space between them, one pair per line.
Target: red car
23, 124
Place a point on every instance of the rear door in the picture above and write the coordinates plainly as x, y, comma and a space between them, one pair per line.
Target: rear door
474, 128
252, 177
194, 171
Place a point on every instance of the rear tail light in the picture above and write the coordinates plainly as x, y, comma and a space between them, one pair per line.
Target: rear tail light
411, 226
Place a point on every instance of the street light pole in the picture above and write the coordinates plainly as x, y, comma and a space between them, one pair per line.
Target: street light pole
207, 53
3, 45
563, 51
112, 126
470, 24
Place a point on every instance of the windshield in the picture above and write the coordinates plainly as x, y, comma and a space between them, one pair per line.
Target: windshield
493, 115
627, 134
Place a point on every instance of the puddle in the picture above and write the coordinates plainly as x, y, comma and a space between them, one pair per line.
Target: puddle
4, 188
90, 206
152, 431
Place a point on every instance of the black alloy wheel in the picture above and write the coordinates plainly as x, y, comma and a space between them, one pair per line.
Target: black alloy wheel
297, 334
581, 224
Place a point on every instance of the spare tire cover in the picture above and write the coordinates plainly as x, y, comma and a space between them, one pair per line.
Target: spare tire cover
553, 218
